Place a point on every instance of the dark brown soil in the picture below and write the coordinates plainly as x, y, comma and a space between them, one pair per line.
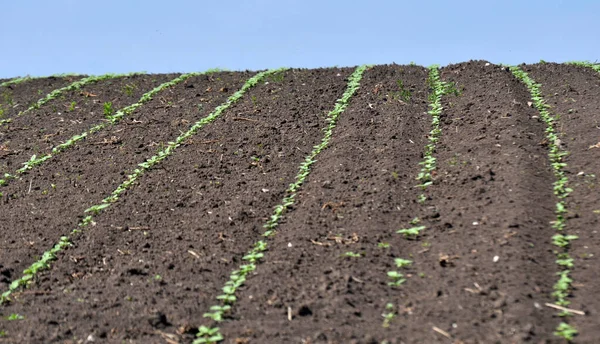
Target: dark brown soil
574, 94
19, 97
201, 224
359, 192
49, 201
152, 264
38, 131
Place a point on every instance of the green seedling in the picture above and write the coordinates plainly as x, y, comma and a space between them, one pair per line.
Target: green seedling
351, 255
108, 109
412, 232
565, 331
389, 315
15, 316
402, 263
396, 277
563, 240
207, 335
7, 97
128, 89
277, 77
72, 106
403, 93
565, 260
383, 245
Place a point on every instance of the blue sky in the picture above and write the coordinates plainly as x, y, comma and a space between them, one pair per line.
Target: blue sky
41, 37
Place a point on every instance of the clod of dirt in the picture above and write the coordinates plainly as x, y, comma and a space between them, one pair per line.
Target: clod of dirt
305, 311
159, 321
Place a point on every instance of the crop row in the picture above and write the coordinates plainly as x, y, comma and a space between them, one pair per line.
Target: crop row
438, 89
72, 87
561, 191
209, 334
19, 80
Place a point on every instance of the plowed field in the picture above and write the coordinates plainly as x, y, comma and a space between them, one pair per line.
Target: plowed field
382, 204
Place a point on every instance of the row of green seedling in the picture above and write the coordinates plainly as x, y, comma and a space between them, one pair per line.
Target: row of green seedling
561, 190
44, 263
56, 93
27, 78
594, 66
438, 89
209, 335
111, 118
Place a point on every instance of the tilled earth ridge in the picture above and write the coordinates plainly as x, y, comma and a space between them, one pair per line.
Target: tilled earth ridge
38, 131
49, 200
488, 236
154, 262
18, 97
442, 253
155, 267
574, 94
359, 191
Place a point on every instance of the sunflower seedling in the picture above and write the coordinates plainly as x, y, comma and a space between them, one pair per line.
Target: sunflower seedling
402, 263
207, 335
15, 316
389, 315
412, 232
396, 277
565, 331
108, 109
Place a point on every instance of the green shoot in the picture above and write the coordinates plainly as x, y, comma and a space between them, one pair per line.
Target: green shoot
351, 255
128, 89
389, 315
565, 331
108, 109
383, 245
412, 232
15, 316
207, 335
396, 277
402, 263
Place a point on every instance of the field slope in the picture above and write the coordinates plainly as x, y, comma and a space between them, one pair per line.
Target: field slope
376, 204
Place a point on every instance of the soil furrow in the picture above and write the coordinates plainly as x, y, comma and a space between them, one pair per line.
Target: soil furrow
488, 229
18, 97
37, 132
574, 94
178, 235
359, 192
49, 201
